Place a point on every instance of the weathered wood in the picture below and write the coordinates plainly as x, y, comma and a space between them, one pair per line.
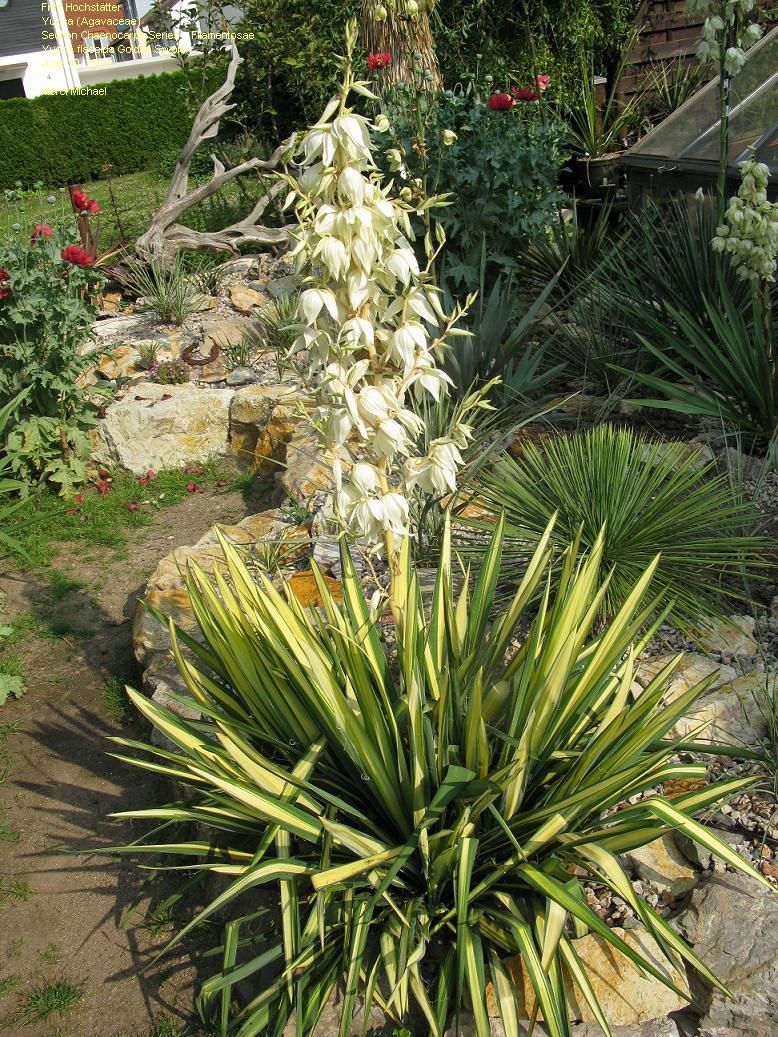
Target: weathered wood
166, 235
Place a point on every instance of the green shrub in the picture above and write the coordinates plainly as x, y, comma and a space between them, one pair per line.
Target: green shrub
425, 804
168, 291
56, 138
289, 70
502, 345
501, 173
647, 497
722, 367
46, 315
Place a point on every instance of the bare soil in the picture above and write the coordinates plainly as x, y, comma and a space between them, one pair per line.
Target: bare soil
61, 788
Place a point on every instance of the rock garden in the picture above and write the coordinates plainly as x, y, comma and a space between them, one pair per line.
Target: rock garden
389, 616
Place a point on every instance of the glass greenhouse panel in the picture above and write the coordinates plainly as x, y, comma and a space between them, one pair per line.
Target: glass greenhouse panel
691, 134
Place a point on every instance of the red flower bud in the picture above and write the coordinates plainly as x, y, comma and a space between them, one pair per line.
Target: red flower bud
5, 284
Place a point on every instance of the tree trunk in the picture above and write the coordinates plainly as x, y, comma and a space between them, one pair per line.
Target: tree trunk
403, 37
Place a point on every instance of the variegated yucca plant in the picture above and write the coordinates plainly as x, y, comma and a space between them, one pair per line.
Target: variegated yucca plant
424, 800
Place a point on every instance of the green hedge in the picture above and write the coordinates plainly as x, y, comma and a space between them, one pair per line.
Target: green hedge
61, 137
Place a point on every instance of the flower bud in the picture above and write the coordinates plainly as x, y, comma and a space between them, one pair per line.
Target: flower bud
406, 194
382, 123
51, 199
449, 137
413, 8
380, 14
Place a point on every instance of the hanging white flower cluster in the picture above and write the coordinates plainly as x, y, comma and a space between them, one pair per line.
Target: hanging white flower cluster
368, 315
750, 230
727, 33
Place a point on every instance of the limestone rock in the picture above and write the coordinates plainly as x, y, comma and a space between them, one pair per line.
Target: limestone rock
254, 404
251, 412
243, 376
690, 671
655, 1028
131, 324
735, 635
166, 591
626, 997
119, 363
305, 589
245, 299
307, 472
733, 712
270, 451
728, 711
732, 921
223, 332
110, 302
212, 372
148, 634
241, 265
282, 287
663, 865
143, 430
171, 570
201, 303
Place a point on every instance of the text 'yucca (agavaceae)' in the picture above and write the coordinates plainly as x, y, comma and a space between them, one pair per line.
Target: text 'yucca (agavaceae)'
422, 798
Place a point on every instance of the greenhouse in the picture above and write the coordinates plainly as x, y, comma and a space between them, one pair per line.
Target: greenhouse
681, 153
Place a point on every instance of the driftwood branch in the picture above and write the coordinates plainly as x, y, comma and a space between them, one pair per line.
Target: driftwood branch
166, 235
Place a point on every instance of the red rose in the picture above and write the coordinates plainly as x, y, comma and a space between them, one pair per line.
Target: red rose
381, 60
43, 230
76, 255
500, 102
79, 199
5, 284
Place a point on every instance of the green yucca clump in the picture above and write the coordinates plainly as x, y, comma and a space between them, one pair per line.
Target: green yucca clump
422, 805
646, 498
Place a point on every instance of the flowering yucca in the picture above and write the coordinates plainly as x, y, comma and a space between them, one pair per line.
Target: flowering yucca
726, 33
366, 315
749, 232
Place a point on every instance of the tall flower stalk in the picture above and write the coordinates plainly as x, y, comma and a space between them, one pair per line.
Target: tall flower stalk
749, 235
372, 323
727, 34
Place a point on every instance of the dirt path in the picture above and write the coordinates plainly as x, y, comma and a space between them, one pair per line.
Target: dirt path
61, 787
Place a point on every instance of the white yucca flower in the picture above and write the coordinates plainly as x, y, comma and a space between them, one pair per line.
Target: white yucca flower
725, 19
367, 310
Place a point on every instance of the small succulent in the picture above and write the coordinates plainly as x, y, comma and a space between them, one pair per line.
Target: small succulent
170, 372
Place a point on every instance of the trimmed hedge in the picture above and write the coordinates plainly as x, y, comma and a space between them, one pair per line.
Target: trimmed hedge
61, 137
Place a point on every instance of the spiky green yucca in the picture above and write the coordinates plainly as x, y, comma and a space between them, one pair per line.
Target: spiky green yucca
421, 807
648, 498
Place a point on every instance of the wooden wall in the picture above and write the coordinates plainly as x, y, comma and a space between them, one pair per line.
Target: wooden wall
668, 33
